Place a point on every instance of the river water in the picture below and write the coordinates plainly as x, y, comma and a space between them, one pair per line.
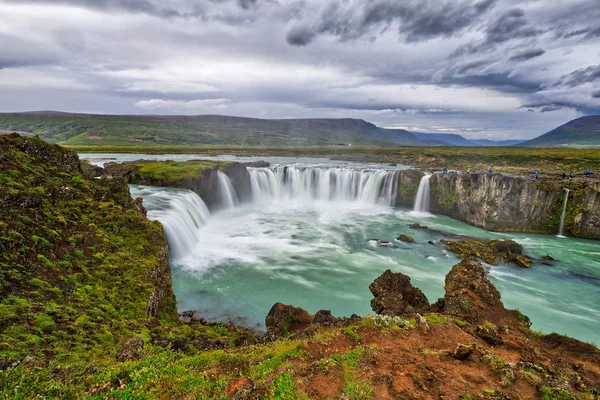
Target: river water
305, 240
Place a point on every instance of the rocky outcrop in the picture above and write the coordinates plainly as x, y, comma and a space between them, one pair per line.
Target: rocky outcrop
408, 183
199, 176
469, 294
284, 319
394, 295
504, 203
490, 251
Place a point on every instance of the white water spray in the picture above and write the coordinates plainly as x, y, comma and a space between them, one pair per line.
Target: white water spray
562, 216
422, 199
227, 196
330, 184
180, 211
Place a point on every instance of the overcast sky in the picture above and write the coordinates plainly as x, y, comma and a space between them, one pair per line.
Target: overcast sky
494, 69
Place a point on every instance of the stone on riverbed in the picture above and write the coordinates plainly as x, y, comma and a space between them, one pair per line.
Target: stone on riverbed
405, 238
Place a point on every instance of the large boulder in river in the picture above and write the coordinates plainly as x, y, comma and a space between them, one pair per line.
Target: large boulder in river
394, 295
469, 294
284, 319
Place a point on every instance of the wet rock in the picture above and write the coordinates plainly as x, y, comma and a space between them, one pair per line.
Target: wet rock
394, 295
490, 333
489, 251
462, 352
131, 350
417, 226
430, 242
405, 238
285, 319
508, 247
468, 291
240, 389
385, 243
521, 261
324, 317
548, 258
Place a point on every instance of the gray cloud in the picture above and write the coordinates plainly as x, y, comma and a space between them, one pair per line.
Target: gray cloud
429, 63
527, 54
413, 20
581, 76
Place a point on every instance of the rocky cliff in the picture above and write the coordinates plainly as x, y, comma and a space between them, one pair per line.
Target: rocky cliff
504, 203
81, 268
408, 183
198, 176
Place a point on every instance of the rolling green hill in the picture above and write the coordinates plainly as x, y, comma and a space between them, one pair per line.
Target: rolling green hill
87, 129
581, 132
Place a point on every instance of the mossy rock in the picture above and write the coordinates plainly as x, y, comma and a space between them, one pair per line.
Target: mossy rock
405, 238
522, 261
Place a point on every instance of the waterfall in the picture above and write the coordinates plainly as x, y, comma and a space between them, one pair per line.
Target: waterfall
562, 216
329, 184
180, 211
227, 196
422, 199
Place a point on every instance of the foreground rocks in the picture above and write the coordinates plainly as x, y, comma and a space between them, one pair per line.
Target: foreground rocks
469, 294
394, 295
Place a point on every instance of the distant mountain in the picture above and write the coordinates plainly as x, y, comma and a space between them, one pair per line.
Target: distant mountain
458, 140
495, 143
581, 132
140, 130
449, 138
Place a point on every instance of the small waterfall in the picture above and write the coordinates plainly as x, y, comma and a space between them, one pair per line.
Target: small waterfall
228, 198
564, 211
180, 211
422, 199
329, 184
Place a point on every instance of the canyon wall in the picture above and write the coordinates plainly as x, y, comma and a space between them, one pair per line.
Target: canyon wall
498, 202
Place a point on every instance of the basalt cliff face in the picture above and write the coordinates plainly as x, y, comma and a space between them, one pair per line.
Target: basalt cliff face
504, 203
199, 176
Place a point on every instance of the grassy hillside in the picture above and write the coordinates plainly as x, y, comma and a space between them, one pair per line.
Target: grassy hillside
581, 132
136, 131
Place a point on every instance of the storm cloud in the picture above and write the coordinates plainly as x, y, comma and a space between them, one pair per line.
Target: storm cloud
485, 68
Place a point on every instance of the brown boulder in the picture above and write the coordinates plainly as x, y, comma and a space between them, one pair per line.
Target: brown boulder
394, 295
469, 292
284, 319
324, 317
462, 352
509, 247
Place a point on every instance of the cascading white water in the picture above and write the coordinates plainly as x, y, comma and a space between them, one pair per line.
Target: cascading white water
227, 195
181, 212
562, 216
331, 184
422, 199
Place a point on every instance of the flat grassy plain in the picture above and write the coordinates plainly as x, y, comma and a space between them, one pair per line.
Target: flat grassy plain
515, 160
